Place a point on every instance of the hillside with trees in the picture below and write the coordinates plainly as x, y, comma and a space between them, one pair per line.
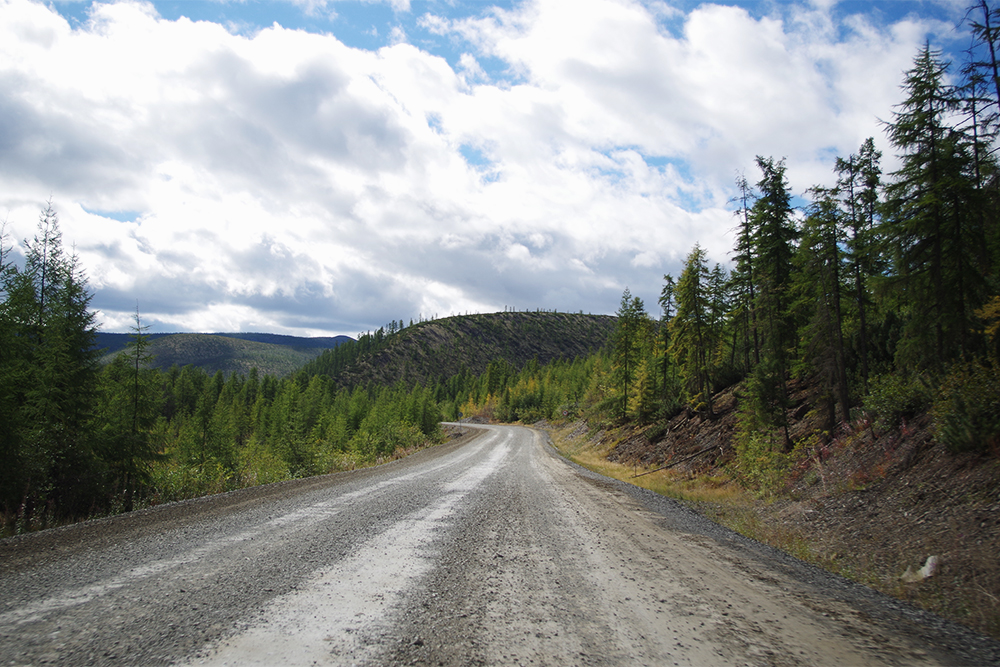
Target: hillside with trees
882, 290
433, 351
229, 353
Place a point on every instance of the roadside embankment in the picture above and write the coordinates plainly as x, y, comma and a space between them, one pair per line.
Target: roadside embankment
894, 511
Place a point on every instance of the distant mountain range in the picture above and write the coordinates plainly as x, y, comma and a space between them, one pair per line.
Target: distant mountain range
270, 354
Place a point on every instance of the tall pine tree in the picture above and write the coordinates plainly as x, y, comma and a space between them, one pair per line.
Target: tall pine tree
53, 365
774, 236
131, 398
819, 289
858, 183
931, 223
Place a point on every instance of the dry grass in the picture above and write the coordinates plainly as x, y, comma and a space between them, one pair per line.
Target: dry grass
670, 483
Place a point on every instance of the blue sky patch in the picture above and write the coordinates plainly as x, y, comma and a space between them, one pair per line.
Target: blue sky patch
474, 156
120, 216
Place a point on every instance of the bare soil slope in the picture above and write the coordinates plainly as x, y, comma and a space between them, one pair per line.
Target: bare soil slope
867, 504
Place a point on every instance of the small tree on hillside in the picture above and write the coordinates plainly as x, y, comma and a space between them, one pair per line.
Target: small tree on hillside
629, 344
131, 397
693, 338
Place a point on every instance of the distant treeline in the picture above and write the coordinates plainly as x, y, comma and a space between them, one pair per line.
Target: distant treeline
112, 343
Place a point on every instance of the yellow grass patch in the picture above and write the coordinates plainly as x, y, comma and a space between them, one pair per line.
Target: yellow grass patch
670, 483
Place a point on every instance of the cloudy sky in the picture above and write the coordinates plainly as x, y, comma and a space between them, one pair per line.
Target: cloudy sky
318, 167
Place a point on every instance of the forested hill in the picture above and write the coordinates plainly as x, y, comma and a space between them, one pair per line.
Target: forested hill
439, 349
270, 354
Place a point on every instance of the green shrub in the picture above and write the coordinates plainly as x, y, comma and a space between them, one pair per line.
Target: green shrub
380, 438
657, 432
604, 411
893, 397
967, 412
760, 466
171, 480
260, 465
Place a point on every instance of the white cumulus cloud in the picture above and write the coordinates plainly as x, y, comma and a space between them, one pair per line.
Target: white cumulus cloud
282, 180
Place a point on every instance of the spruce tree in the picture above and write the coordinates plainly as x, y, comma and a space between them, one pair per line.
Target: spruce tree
744, 314
858, 184
629, 343
774, 236
931, 226
131, 398
819, 288
52, 367
692, 335
668, 307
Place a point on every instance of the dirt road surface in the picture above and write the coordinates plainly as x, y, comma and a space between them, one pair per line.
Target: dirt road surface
490, 550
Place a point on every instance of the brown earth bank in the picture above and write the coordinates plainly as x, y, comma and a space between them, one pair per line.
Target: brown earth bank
871, 505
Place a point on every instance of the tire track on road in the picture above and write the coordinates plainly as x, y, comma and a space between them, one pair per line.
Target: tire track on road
345, 613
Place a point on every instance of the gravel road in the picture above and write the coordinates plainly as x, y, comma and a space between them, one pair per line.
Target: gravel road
488, 550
